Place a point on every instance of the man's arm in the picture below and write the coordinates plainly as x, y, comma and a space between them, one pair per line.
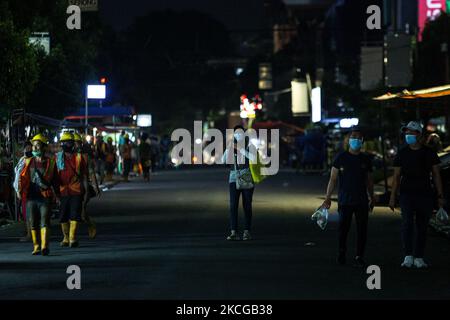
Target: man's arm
395, 184
330, 188
436, 170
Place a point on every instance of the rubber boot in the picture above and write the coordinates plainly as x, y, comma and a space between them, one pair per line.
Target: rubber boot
36, 246
73, 234
45, 241
65, 230
92, 229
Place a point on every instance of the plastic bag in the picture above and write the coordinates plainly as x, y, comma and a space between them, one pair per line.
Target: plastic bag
321, 217
442, 215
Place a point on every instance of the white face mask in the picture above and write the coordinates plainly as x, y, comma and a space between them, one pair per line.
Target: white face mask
238, 136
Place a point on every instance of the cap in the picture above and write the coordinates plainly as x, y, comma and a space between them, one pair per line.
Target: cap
413, 126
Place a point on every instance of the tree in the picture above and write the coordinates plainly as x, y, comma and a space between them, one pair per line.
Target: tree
18, 64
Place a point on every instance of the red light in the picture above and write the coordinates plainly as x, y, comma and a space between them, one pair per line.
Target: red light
103, 80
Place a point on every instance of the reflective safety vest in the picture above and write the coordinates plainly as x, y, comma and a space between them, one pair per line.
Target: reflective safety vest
75, 179
25, 177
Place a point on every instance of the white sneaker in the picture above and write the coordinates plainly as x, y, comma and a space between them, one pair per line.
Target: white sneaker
408, 262
420, 264
233, 236
246, 236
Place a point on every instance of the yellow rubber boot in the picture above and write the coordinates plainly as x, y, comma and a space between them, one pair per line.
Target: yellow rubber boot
45, 241
65, 230
36, 246
73, 234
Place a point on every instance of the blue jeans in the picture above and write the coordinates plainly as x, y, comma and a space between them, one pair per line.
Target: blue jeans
247, 198
414, 233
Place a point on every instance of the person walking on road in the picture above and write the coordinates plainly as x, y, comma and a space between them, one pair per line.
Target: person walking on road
353, 170
27, 153
125, 153
110, 160
73, 177
413, 167
145, 155
93, 188
38, 183
235, 193
100, 157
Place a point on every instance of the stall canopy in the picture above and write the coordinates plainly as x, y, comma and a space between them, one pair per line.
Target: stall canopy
102, 112
36, 119
434, 92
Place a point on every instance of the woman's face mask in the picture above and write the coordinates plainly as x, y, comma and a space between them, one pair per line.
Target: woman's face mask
238, 136
411, 139
36, 153
355, 144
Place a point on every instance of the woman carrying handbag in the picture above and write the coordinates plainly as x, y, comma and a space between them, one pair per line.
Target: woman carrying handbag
240, 182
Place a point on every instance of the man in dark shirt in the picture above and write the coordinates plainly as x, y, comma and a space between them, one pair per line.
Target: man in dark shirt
353, 168
413, 168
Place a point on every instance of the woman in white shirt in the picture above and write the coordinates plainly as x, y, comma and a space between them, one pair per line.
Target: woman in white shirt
247, 194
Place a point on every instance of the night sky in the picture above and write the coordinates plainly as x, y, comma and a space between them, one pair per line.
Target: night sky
235, 14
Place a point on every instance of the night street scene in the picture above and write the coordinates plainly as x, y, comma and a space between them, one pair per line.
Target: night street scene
222, 155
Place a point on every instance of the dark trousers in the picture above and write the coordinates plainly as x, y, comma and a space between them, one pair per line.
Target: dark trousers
127, 163
247, 198
39, 213
346, 213
414, 235
70, 208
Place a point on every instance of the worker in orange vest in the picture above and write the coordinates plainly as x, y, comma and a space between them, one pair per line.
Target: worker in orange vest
93, 188
73, 177
38, 182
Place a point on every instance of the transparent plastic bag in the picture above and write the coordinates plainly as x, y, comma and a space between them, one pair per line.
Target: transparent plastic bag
321, 217
442, 215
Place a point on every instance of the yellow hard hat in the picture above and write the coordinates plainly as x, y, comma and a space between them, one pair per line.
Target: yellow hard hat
40, 137
77, 137
66, 136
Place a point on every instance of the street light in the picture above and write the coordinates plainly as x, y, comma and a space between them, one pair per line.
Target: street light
97, 92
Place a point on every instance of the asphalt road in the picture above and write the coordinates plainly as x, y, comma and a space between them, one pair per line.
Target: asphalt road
166, 240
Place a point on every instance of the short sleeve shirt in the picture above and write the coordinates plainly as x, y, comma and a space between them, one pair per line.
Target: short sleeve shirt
353, 172
415, 170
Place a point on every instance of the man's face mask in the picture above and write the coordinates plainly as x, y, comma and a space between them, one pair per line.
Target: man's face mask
67, 147
36, 149
411, 139
355, 144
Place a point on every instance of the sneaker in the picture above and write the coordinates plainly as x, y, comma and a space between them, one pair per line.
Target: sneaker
408, 262
420, 264
359, 262
233, 236
246, 236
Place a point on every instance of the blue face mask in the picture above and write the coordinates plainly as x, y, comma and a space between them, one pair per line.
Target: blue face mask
37, 153
411, 139
355, 144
